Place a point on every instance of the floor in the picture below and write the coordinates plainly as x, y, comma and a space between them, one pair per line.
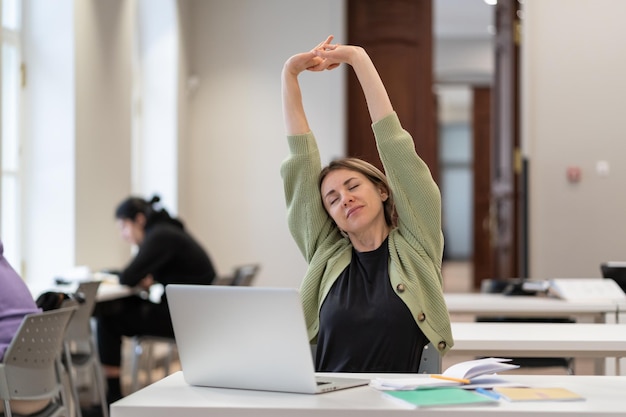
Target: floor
457, 278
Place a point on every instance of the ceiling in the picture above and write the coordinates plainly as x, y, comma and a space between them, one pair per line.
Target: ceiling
454, 19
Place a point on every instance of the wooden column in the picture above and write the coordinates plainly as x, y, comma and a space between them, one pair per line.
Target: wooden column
398, 36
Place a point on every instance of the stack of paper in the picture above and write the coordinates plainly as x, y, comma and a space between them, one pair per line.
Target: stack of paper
472, 369
469, 374
465, 383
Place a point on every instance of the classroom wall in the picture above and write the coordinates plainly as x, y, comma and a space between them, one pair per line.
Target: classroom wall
103, 83
232, 140
574, 61
48, 98
236, 139
77, 134
571, 117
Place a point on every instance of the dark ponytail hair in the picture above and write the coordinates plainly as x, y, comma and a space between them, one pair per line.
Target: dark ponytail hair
132, 206
154, 213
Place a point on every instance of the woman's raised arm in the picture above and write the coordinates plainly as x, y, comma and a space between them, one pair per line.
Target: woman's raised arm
376, 96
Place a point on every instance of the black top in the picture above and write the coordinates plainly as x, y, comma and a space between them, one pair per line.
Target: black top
364, 326
171, 256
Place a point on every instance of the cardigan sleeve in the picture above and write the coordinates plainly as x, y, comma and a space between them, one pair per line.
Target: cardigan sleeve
308, 221
416, 195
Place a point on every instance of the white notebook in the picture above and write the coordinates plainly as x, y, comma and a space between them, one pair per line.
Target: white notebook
586, 289
247, 338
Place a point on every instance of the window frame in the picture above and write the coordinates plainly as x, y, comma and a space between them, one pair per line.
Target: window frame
10, 197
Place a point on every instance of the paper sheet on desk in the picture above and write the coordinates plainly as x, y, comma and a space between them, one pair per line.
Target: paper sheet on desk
405, 384
107, 278
408, 384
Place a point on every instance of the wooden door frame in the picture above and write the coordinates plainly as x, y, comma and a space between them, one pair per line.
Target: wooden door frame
398, 36
482, 255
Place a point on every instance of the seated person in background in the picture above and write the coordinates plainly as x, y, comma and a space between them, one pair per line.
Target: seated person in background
166, 254
16, 302
372, 295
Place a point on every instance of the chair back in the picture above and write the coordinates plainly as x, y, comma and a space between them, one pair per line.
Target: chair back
430, 362
245, 274
79, 328
30, 366
615, 270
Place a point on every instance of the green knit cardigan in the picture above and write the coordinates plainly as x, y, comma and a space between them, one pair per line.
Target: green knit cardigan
415, 246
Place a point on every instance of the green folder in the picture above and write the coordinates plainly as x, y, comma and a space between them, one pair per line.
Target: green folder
442, 396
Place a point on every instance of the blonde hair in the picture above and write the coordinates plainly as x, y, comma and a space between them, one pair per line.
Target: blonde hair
373, 174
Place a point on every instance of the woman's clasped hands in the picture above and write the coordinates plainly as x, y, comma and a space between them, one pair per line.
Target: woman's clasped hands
325, 56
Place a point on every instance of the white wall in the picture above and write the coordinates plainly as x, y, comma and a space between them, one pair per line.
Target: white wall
77, 133
236, 139
48, 100
103, 44
574, 61
231, 136
155, 166
232, 139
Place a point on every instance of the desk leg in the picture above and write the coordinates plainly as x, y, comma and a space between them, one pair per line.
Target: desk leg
610, 366
621, 362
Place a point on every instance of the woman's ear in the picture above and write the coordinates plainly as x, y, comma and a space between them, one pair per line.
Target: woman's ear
140, 219
383, 194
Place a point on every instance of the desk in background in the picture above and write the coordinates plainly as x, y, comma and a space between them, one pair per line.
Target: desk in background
594, 340
172, 396
499, 305
108, 290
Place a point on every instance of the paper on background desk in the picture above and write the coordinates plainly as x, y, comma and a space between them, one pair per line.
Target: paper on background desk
586, 289
82, 273
107, 278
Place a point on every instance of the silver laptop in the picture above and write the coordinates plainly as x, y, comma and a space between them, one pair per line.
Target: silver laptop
246, 337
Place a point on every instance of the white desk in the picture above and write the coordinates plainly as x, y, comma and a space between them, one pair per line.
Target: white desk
173, 397
107, 291
498, 305
595, 340
110, 291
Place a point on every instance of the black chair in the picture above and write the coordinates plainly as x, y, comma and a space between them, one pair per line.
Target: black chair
513, 287
615, 271
242, 276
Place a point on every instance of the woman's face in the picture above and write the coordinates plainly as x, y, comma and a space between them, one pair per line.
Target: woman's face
353, 201
132, 231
